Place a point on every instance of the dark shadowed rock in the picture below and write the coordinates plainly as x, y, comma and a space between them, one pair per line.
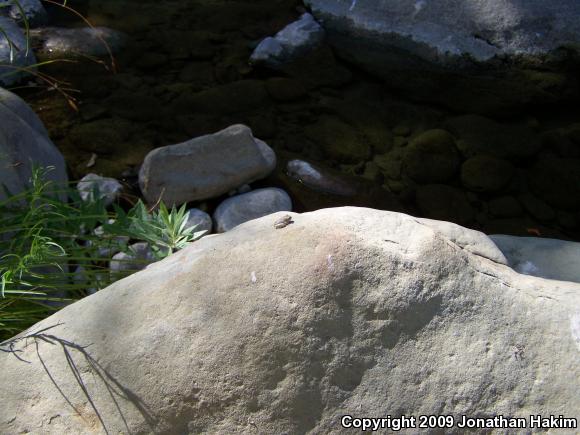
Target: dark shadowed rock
442, 202
486, 173
472, 55
432, 157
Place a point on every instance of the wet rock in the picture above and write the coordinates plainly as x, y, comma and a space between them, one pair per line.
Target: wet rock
151, 61
205, 167
200, 74
479, 135
33, 11
402, 130
294, 40
442, 202
200, 219
285, 89
484, 173
390, 165
339, 140
431, 157
537, 208
135, 107
56, 42
252, 205
557, 181
91, 112
240, 96
505, 207
263, 125
106, 189
317, 178
12, 60
101, 136
561, 144
372, 172
24, 141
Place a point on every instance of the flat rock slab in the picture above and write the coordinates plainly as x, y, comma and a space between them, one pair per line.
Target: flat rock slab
205, 167
471, 55
344, 311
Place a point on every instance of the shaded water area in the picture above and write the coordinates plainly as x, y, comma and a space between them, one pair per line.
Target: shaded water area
184, 72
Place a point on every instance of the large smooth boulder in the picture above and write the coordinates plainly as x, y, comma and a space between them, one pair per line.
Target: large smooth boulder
24, 142
13, 53
205, 167
345, 311
477, 55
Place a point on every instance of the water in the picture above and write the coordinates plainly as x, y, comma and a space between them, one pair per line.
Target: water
185, 73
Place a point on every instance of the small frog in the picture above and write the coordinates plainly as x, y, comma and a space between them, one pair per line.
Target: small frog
284, 221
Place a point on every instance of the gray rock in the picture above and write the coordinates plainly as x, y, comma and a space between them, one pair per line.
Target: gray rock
205, 167
545, 258
56, 42
108, 245
33, 11
200, 219
24, 142
486, 173
431, 157
296, 39
139, 257
107, 189
252, 205
290, 329
435, 50
13, 60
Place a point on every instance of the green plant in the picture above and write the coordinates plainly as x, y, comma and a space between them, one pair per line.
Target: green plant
45, 242
165, 230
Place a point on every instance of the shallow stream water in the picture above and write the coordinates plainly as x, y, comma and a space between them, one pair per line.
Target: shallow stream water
184, 72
